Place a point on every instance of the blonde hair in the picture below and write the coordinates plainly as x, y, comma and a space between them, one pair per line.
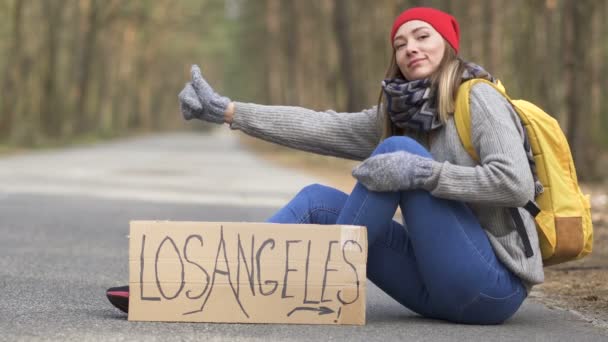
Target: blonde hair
446, 80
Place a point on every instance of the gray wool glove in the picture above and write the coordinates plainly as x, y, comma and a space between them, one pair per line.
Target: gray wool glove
189, 104
212, 105
393, 171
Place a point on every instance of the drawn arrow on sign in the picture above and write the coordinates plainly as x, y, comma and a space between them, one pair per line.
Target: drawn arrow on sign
323, 310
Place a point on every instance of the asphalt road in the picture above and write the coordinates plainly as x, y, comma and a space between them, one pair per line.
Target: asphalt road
64, 217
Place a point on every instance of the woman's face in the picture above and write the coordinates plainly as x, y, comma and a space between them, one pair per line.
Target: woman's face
419, 49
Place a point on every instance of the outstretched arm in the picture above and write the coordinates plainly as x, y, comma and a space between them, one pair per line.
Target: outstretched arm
343, 135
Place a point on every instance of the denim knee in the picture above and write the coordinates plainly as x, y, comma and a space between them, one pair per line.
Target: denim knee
318, 204
318, 190
314, 203
401, 143
320, 196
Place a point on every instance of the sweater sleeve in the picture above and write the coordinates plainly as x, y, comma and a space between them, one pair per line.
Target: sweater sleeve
503, 177
343, 135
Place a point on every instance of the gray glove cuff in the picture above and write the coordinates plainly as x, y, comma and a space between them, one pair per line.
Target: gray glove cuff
422, 171
217, 108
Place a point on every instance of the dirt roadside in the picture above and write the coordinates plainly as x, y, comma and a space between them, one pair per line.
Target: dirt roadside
580, 287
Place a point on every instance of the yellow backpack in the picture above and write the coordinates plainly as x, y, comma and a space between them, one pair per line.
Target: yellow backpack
564, 226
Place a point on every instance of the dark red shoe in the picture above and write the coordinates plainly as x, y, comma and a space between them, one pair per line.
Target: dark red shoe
119, 297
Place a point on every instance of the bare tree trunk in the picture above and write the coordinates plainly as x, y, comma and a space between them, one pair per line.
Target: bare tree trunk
11, 74
73, 25
568, 65
543, 75
551, 66
345, 53
272, 51
576, 32
292, 43
474, 28
596, 63
604, 78
86, 62
494, 24
120, 95
50, 110
328, 56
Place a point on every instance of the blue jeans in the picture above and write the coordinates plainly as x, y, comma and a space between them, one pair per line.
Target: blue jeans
440, 264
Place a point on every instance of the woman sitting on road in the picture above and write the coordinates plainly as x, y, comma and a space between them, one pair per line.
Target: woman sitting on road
457, 257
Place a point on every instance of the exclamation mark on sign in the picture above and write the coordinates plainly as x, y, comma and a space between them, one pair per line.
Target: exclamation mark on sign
339, 311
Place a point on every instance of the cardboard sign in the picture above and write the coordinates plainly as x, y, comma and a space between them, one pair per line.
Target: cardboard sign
247, 272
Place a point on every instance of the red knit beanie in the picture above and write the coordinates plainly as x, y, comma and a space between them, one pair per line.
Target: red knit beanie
445, 24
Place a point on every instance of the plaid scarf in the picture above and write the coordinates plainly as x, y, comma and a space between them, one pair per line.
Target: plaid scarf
413, 104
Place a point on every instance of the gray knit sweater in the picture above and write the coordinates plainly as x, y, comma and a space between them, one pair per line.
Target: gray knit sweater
502, 180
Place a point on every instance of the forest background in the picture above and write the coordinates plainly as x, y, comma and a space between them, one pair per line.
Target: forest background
77, 71
74, 70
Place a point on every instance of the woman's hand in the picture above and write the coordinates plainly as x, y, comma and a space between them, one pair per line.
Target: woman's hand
393, 171
198, 100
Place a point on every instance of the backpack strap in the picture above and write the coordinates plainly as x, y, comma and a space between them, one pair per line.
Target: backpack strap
521, 230
462, 117
462, 113
462, 120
